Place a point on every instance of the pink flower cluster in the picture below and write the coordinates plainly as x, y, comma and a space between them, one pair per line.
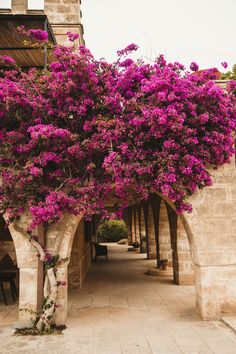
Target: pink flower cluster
38, 35
88, 129
72, 36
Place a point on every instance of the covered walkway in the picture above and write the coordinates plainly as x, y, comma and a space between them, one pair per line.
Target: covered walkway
122, 310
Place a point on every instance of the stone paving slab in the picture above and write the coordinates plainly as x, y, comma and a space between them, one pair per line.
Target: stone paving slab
120, 310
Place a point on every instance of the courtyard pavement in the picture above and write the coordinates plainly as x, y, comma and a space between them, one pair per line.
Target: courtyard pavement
121, 310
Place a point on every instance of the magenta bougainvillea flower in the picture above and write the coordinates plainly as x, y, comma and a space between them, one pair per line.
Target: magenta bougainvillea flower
194, 66
85, 129
224, 64
38, 35
72, 36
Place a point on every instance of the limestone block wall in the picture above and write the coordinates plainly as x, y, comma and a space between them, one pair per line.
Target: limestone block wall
19, 6
63, 11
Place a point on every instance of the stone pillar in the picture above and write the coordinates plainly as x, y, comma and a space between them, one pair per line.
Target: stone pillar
133, 225
151, 254
142, 230
211, 229
164, 235
142, 223
127, 217
136, 220
29, 268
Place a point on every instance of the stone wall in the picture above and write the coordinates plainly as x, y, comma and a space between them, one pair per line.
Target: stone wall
63, 11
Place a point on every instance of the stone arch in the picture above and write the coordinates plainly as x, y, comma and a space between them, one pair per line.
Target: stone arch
6, 241
211, 232
31, 268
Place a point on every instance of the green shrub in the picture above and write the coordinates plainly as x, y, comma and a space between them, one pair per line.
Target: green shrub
112, 231
230, 75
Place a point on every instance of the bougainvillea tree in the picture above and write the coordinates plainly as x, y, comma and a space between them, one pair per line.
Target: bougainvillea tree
83, 129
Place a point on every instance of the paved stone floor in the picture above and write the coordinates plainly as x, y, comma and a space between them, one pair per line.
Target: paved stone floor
122, 310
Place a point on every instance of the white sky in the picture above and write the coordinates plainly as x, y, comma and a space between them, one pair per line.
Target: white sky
185, 30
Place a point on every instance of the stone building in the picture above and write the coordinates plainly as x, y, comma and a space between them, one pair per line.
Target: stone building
200, 247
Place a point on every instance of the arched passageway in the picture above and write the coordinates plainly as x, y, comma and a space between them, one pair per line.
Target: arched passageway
210, 230
209, 255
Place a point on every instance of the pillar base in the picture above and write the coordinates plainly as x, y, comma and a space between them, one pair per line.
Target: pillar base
159, 272
215, 290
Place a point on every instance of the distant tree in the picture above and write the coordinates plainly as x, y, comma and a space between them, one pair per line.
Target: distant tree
112, 231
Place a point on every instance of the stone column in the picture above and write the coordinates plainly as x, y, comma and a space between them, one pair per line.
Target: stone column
211, 229
127, 217
30, 267
151, 254
133, 225
142, 229
136, 219
164, 235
